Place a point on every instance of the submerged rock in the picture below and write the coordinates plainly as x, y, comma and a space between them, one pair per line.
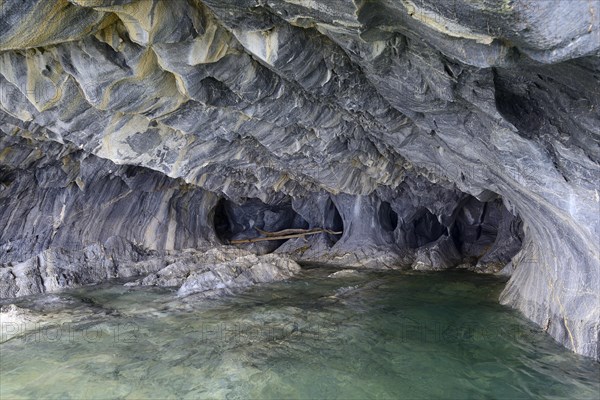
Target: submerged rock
345, 273
12, 314
49, 317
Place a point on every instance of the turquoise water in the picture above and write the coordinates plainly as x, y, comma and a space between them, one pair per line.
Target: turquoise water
378, 335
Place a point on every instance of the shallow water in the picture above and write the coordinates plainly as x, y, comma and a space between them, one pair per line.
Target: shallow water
376, 335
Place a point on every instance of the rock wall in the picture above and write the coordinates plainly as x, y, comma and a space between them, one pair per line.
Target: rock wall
363, 115
55, 195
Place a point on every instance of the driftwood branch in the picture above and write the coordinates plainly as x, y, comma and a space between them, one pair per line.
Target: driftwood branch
287, 232
284, 234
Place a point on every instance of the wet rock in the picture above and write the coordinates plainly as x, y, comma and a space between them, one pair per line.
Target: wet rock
345, 273
177, 266
217, 271
239, 273
441, 254
55, 269
49, 317
13, 314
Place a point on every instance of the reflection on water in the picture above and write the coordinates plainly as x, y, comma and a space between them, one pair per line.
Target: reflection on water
372, 335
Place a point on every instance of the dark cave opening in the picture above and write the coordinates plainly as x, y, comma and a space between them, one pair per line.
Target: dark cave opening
474, 228
481, 226
388, 218
332, 220
481, 231
234, 221
475, 233
517, 106
422, 228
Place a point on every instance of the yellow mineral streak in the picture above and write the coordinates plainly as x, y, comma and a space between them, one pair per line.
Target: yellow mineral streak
281, 182
147, 71
51, 22
43, 90
139, 18
113, 34
444, 25
210, 47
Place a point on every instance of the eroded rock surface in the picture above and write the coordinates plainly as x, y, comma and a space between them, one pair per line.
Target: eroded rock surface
218, 271
433, 134
240, 272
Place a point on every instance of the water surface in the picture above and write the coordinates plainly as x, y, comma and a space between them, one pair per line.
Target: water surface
377, 335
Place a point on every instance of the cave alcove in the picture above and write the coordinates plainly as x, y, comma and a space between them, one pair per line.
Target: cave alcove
480, 226
388, 218
422, 228
332, 220
233, 221
476, 226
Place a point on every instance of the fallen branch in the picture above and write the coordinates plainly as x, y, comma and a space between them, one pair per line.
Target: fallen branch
279, 236
287, 231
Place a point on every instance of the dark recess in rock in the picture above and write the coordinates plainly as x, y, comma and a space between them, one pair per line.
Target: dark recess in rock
422, 228
239, 221
519, 109
387, 217
332, 220
477, 227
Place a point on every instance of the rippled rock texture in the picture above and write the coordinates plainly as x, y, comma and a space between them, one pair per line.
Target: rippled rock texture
433, 134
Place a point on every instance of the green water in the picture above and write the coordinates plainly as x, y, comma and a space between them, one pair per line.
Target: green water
379, 335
